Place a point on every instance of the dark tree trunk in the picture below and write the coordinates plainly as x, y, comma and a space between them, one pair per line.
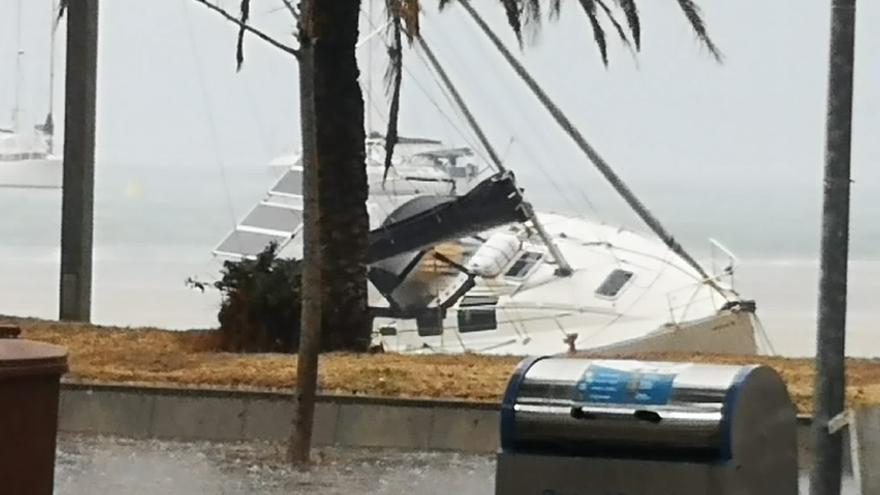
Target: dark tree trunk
339, 111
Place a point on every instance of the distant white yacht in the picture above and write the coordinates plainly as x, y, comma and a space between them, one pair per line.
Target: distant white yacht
26, 161
26, 155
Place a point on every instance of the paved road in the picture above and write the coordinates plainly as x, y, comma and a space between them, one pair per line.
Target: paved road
100, 465
88, 465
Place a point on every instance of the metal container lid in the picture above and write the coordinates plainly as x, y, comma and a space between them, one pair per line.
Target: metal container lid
29, 358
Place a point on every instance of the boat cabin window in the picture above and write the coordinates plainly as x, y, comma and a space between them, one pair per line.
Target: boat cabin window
522, 266
430, 323
477, 314
614, 283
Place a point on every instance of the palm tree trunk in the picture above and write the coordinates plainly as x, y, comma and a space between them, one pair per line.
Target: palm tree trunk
336, 224
339, 110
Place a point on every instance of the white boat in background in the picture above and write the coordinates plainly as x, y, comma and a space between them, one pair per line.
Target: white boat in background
27, 159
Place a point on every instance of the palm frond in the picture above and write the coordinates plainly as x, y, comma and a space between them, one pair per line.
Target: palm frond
512, 9
632, 19
531, 11
239, 47
555, 9
410, 11
692, 12
394, 72
531, 17
598, 33
610, 15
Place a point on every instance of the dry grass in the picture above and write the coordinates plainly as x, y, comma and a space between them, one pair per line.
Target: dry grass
158, 356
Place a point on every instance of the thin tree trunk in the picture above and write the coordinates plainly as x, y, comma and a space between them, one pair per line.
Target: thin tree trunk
335, 223
830, 355
312, 284
339, 108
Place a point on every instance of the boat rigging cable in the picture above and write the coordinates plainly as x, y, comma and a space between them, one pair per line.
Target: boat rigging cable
588, 150
563, 268
212, 124
434, 103
456, 101
560, 192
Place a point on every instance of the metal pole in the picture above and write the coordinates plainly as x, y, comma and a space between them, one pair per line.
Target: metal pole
588, 150
79, 160
830, 354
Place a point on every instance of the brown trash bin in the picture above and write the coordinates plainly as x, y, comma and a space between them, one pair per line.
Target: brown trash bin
29, 388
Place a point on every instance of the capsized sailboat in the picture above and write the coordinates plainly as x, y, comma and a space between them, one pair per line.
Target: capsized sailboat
482, 278
460, 261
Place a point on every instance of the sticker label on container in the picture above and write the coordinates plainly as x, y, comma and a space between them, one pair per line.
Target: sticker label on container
611, 385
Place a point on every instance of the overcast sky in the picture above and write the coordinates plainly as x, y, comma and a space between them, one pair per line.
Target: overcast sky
733, 132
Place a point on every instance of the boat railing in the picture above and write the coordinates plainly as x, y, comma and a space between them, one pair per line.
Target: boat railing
724, 262
694, 294
15, 157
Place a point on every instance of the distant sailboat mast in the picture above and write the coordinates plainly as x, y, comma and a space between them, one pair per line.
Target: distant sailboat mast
49, 126
16, 109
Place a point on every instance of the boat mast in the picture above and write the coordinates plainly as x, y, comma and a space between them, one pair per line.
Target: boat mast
16, 109
563, 267
369, 95
588, 150
49, 125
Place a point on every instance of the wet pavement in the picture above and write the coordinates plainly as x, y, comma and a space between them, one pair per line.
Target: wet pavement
88, 465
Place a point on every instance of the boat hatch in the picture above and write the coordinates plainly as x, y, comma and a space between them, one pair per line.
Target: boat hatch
614, 283
523, 266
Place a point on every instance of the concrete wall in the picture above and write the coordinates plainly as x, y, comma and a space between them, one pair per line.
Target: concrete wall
230, 415
224, 415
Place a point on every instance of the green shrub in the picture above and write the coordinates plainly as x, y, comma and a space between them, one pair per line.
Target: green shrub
260, 307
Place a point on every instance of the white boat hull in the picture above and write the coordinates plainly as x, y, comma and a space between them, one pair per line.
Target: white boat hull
726, 332
40, 174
